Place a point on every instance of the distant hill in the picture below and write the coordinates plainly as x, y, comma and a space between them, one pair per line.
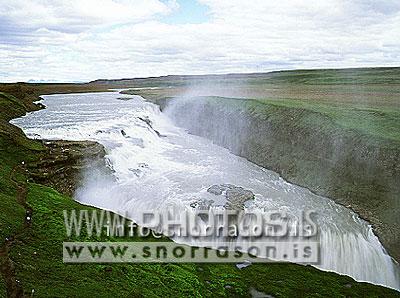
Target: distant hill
377, 75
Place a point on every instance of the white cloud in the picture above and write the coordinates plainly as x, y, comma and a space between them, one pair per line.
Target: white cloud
69, 40
78, 15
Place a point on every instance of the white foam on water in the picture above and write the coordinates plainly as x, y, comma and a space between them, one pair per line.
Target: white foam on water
161, 165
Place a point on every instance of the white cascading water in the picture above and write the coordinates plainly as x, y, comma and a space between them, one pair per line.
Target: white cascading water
162, 165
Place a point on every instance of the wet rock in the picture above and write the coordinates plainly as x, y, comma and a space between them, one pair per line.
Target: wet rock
137, 172
150, 125
215, 190
125, 98
63, 163
202, 204
146, 120
158, 133
236, 196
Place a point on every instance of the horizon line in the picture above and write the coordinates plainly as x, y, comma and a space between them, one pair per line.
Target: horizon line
32, 81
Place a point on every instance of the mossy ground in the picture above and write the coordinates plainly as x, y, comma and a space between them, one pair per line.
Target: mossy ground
375, 122
37, 251
378, 124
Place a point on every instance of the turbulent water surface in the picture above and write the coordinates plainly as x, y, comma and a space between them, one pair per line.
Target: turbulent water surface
157, 164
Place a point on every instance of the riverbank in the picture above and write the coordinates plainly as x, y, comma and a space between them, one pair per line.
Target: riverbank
32, 221
335, 132
357, 168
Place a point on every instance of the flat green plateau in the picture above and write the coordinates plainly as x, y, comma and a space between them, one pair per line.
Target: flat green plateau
380, 123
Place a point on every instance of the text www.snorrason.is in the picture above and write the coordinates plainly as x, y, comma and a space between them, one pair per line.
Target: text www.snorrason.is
233, 235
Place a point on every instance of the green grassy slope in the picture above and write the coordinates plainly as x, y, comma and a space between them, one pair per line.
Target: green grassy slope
382, 123
40, 267
374, 122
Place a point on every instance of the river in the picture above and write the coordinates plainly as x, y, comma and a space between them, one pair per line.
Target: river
157, 164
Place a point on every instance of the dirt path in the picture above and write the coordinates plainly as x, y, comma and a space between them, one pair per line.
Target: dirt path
13, 285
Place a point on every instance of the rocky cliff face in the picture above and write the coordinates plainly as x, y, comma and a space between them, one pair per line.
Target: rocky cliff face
63, 164
309, 149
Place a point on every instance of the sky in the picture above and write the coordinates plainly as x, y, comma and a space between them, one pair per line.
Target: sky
83, 40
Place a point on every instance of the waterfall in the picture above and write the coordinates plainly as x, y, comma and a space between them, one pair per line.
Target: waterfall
158, 164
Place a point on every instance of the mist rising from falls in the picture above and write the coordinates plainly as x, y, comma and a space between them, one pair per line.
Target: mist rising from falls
225, 126
157, 164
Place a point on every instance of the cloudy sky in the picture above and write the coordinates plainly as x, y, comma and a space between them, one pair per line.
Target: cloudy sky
81, 40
